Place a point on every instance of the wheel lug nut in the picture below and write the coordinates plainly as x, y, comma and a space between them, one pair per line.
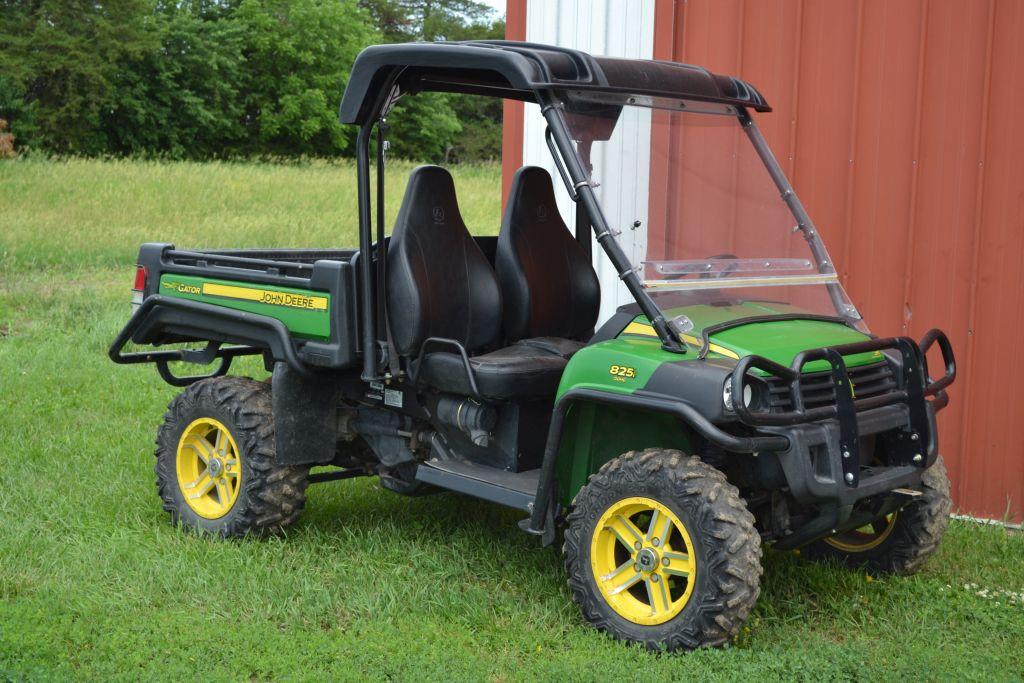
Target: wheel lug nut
636, 567
665, 561
655, 542
654, 578
638, 545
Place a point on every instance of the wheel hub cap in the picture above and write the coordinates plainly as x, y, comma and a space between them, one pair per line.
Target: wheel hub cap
216, 466
647, 559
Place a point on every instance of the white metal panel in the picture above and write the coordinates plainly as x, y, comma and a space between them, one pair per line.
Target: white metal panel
616, 28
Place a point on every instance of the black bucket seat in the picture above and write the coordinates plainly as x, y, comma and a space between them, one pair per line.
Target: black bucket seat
440, 285
550, 291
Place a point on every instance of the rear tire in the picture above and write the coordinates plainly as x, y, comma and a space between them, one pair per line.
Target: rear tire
708, 566
902, 544
224, 426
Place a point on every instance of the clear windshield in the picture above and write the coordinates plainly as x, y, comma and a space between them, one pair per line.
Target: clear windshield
715, 228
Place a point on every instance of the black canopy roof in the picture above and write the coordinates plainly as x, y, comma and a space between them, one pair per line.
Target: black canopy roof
518, 70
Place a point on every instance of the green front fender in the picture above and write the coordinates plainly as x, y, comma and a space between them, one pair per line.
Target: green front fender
594, 433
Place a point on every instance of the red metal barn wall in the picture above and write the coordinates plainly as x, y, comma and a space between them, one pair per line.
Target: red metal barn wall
899, 123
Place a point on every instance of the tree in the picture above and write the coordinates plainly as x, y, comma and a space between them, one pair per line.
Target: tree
183, 97
61, 59
401, 21
423, 127
214, 78
298, 55
422, 124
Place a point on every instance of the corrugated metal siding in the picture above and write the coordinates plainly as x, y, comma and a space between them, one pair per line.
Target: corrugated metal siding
898, 125
618, 28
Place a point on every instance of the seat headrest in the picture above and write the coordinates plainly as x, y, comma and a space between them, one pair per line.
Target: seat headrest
430, 200
531, 199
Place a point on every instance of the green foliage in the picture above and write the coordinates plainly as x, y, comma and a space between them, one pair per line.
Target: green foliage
223, 78
478, 134
182, 98
481, 124
400, 21
423, 127
61, 63
298, 55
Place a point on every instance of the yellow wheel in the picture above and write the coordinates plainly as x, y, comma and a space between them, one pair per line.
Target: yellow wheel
866, 537
209, 470
900, 542
661, 550
642, 558
216, 461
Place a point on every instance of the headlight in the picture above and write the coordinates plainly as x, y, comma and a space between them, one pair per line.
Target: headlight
748, 394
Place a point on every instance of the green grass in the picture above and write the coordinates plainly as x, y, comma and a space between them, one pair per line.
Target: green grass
94, 582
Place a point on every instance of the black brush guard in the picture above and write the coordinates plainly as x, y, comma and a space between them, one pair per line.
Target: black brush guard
823, 464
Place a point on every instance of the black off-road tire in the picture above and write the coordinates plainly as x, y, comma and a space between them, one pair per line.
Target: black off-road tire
917, 531
728, 548
271, 496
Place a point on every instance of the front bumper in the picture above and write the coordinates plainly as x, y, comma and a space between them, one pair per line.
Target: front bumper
824, 465
815, 464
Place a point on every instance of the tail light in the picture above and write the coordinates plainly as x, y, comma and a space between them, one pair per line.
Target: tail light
141, 276
139, 288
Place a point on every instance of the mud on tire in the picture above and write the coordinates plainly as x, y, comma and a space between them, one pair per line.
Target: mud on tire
270, 496
917, 531
725, 542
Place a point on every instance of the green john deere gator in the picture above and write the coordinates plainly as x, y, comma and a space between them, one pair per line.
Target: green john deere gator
735, 399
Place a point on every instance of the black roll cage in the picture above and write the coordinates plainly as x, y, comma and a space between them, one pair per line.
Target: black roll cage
573, 171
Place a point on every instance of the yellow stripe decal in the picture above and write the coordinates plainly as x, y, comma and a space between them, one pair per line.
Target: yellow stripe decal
639, 328
713, 348
266, 296
644, 330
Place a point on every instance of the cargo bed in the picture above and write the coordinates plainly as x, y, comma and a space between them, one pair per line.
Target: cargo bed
293, 305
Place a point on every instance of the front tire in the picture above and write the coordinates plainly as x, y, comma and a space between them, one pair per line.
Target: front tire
660, 549
899, 543
216, 461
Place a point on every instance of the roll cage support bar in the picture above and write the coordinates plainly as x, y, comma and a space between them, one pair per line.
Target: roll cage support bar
588, 215
368, 309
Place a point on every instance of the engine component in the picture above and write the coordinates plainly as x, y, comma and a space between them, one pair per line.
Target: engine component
476, 420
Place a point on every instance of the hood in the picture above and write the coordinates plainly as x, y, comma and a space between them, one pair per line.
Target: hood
779, 341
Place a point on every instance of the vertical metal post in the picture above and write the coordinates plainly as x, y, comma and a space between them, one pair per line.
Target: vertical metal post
365, 252
586, 200
366, 279
379, 207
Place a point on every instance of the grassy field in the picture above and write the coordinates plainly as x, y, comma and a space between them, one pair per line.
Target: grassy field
94, 582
